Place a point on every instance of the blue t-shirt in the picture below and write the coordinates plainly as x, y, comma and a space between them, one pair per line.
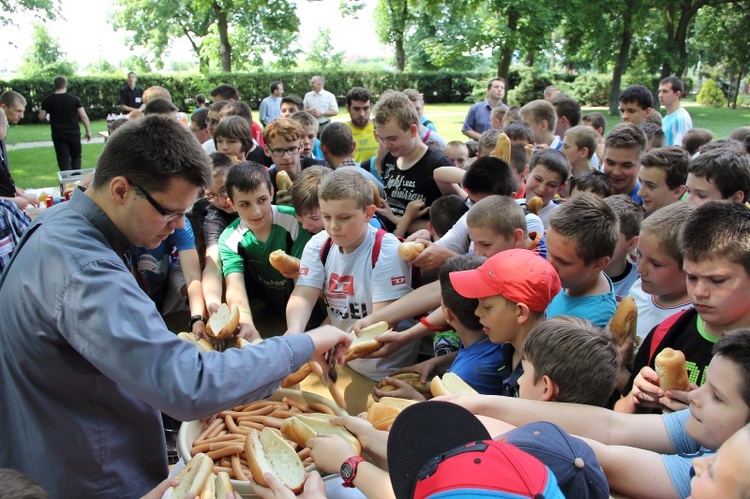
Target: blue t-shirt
634, 193
675, 126
153, 264
317, 152
599, 309
678, 465
479, 365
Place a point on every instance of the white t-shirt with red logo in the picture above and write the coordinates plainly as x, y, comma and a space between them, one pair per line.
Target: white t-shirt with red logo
350, 286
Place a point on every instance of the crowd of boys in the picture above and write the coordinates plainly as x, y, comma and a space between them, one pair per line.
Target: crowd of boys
524, 265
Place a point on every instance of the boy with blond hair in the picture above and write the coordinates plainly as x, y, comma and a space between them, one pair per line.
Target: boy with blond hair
549, 173
579, 146
620, 270
540, 114
487, 142
624, 146
247, 242
310, 141
304, 192
663, 174
458, 153
581, 240
354, 267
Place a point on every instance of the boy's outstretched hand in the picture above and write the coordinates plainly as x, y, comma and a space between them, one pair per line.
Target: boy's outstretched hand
646, 391
314, 488
403, 390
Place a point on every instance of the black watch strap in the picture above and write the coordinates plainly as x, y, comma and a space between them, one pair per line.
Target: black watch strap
195, 319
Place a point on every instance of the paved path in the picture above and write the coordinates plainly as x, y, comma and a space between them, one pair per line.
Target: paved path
48, 143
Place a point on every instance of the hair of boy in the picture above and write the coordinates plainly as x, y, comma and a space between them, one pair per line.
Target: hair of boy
584, 136
220, 162
554, 161
237, 108
358, 94
159, 105
155, 91
293, 99
497, 113
337, 138
397, 106
12, 98
675, 83
727, 167
673, 160
304, 190
490, 175
740, 134
598, 120
592, 181
59, 82
718, 229
724, 144
629, 213
274, 86
626, 136
166, 149
735, 346
654, 118
590, 223
346, 184
664, 226
519, 130
638, 94
570, 108
695, 138
457, 144
235, 127
488, 139
500, 214
305, 119
413, 95
549, 91
198, 118
445, 212
540, 110
493, 80
654, 133
115, 124
15, 484
512, 114
200, 99
283, 128
462, 308
225, 92
473, 147
247, 176
578, 356
519, 158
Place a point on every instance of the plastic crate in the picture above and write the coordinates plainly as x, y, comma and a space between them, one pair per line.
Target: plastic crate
72, 176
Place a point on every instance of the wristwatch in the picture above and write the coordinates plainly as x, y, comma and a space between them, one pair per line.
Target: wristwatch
349, 470
195, 319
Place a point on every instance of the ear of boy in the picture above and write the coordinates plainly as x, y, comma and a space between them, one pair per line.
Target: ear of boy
550, 390
633, 244
737, 197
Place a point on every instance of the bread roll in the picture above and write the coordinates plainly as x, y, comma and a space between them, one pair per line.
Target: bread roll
413, 379
209, 487
193, 476
502, 148
450, 383
529, 150
410, 250
534, 205
302, 428
625, 321
203, 345
670, 367
224, 322
283, 263
366, 342
223, 485
268, 452
381, 414
283, 181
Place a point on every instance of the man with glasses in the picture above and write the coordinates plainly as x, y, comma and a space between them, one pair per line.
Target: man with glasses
86, 361
212, 120
12, 105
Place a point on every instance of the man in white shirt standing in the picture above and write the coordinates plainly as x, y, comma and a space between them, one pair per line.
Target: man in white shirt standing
320, 103
677, 121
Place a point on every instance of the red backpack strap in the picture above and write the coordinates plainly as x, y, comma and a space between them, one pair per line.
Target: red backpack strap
325, 249
376, 247
661, 331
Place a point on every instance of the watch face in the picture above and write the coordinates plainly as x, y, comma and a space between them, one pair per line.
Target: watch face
346, 470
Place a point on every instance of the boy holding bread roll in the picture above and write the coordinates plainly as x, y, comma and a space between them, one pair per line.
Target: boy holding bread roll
339, 265
715, 246
649, 455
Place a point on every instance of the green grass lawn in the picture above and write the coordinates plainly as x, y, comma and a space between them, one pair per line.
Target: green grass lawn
37, 167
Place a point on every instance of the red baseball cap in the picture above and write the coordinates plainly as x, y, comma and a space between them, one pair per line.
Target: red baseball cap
518, 275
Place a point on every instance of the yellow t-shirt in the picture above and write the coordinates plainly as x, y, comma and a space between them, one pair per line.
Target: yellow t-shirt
367, 145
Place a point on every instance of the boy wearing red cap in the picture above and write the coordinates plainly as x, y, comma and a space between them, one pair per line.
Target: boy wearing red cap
514, 288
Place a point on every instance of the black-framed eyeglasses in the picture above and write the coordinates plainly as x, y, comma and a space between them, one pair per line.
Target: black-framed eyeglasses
167, 216
291, 151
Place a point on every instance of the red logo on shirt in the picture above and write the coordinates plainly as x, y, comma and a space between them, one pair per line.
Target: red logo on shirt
398, 281
341, 284
303, 270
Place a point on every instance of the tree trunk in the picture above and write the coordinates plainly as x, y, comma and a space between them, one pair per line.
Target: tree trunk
400, 53
503, 65
622, 57
225, 49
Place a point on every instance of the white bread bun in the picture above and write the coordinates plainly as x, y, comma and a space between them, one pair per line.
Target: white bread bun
625, 320
209, 487
450, 383
283, 263
283, 180
193, 476
413, 379
381, 414
670, 366
410, 250
203, 345
223, 322
366, 342
223, 485
302, 428
268, 452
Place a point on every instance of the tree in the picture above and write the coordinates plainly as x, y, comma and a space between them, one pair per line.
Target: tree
44, 58
237, 32
322, 53
48, 9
